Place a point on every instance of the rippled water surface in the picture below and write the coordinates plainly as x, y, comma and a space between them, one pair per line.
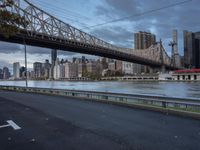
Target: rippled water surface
176, 89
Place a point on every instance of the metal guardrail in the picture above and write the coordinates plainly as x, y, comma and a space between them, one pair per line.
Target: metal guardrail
168, 103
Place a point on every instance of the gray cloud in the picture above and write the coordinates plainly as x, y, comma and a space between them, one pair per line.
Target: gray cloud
39, 50
9, 48
5, 64
161, 23
116, 34
118, 8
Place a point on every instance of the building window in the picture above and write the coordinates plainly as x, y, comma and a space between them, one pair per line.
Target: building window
195, 77
178, 77
183, 77
189, 77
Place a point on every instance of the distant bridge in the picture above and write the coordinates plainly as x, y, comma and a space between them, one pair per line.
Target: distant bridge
44, 30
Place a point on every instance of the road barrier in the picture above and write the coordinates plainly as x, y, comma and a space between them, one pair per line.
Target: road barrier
172, 105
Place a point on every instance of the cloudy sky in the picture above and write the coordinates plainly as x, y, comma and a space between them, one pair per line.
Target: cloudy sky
97, 18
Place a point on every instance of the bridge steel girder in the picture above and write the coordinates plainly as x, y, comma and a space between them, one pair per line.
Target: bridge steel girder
79, 48
44, 30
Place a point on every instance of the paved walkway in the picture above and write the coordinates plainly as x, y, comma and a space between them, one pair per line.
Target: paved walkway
60, 123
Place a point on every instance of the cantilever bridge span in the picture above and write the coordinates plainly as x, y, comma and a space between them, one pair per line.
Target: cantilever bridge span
44, 30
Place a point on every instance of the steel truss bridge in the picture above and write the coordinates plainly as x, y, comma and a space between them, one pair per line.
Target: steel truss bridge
44, 30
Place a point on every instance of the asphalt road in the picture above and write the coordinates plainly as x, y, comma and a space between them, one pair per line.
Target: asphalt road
60, 123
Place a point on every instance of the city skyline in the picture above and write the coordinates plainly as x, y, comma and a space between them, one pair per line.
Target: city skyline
99, 74
46, 53
121, 33
77, 67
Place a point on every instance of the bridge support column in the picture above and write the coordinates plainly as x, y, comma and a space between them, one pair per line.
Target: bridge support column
151, 70
25, 56
163, 69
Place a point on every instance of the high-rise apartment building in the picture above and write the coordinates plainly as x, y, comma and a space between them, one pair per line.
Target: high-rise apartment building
82, 69
143, 40
119, 66
104, 62
62, 71
56, 70
6, 73
21, 71
99, 68
127, 68
197, 49
175, 40
37, 68
175, 57
53, 60
91, 67
16, 70
188, 48
46, 69
71, 70
53, 56
1, 74
191, 49
112, 66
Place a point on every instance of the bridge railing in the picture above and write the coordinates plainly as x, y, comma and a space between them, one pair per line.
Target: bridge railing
159, 103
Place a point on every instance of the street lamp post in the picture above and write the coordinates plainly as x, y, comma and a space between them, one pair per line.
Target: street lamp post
25, 55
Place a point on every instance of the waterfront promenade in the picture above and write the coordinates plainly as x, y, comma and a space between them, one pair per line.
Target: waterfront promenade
54, 122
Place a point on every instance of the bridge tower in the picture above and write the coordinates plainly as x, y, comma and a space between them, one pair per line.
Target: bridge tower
163, 69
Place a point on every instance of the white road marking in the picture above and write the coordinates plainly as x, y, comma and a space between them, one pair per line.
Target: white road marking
5, 126
11, 124
14, 125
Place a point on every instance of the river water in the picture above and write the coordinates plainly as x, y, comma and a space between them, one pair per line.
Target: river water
172, 89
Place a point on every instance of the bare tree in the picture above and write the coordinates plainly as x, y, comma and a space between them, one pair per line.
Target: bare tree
10, 22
